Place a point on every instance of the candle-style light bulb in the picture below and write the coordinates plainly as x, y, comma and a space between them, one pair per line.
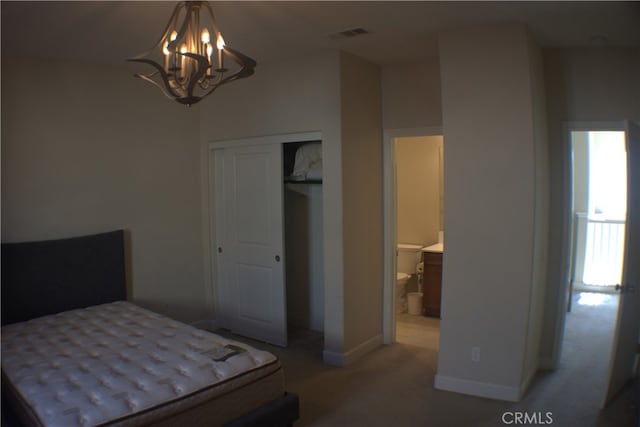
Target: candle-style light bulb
209, 53
183, 50
172, 37
205, 37
220, 46
220, 42
165, 50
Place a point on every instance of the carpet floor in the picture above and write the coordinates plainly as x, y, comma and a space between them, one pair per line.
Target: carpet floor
393, 385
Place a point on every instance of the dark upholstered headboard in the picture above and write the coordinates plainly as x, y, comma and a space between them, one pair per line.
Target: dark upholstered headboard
40, 278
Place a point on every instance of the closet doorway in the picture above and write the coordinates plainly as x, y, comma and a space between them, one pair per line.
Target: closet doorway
303, 229
251, 235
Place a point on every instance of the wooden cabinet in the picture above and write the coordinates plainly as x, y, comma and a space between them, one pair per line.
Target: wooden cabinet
432, 283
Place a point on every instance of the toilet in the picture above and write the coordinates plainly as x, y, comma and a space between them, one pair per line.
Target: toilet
408, 258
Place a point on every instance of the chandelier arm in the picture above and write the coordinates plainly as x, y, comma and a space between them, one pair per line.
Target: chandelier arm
247, 69
203, 64
153, 82
229, 79
216, 29
220, 83
209, 82
210, 92
163, 76
165, 34
248, 64
173, 44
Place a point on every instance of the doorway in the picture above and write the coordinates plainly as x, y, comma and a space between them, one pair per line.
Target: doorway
419, 215
413, 192
303, 240
598, 214
247, 229
624, 321
599, 204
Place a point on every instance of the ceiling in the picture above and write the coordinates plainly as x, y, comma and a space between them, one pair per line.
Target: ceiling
108, 32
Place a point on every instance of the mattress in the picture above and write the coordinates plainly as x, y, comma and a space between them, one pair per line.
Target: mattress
120, 364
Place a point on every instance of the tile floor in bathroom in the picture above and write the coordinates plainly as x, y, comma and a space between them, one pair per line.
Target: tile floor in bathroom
419, 331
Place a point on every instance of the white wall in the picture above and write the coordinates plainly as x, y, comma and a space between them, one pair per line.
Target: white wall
88, 149
490, 210
362, 202
411, 94
586, 85
419, 198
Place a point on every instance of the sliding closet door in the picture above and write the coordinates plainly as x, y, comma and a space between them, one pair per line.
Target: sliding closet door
250, 238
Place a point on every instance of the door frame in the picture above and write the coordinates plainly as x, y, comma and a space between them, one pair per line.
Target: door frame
390, 217
567, 224
212, 146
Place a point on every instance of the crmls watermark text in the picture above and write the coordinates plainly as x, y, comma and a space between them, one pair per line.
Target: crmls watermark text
527, 418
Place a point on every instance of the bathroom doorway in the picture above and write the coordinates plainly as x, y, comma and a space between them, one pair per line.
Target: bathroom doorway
414, 192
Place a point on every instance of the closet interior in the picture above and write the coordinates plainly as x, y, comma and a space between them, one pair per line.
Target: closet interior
304, 267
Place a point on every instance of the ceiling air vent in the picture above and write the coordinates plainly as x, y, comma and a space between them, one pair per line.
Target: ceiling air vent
351, 32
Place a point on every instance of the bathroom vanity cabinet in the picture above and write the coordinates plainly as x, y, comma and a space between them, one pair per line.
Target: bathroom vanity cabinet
432, 282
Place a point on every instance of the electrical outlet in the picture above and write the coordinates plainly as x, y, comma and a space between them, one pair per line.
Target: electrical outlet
475, 354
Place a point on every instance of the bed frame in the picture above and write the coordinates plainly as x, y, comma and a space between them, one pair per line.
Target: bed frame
47, 277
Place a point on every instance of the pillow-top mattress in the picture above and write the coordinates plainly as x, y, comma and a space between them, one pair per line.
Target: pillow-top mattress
113, 362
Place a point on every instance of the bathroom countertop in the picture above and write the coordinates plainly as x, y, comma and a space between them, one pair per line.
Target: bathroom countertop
438, 248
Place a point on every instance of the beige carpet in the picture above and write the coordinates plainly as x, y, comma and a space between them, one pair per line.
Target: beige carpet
419, 331
393, 385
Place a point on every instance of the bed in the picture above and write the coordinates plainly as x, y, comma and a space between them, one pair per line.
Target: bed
75, 352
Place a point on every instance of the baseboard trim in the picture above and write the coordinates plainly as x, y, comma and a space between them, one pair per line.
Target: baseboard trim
526, 383
362, 349
476, 388
206, 324
333, 358
343, 359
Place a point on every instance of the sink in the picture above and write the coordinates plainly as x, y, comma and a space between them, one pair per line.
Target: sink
438, 248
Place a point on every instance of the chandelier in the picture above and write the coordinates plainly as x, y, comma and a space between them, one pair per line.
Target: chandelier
191, 59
